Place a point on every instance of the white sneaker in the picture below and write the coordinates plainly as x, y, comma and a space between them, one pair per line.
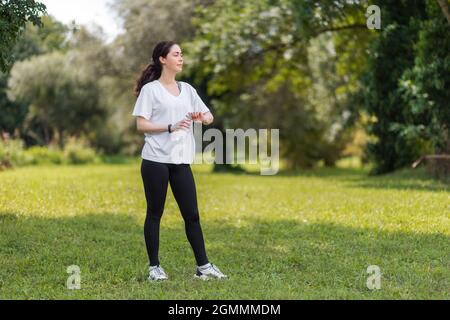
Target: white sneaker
157, 273
208, 272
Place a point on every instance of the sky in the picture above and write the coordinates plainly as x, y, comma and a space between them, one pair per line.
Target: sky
85, 12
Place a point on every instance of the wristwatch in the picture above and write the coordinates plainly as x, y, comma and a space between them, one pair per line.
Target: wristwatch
169, 128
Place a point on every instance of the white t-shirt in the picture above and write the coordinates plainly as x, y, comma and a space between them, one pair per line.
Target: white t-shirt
157, 104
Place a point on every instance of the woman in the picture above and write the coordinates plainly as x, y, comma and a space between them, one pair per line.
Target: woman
165, 109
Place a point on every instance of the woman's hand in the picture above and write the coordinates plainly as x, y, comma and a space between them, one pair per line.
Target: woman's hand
196, 116
181, 125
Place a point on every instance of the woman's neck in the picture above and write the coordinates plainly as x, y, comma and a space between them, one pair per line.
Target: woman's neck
167, 78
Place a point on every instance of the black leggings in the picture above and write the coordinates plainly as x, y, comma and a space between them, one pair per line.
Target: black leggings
155, 176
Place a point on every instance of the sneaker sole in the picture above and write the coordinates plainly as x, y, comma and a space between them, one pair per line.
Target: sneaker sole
206, 278
202, 277
156, 280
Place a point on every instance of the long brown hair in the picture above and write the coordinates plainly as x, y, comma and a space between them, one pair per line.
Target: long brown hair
153, 70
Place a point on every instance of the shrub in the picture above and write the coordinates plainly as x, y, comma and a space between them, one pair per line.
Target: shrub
76, 151
13, 154
45, 155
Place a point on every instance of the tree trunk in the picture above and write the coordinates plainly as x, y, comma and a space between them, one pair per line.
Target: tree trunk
60, 138
46, 135
227, 167
444, 7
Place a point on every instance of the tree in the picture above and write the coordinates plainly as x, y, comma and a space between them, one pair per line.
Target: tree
89, 51
67, 102
34, 40
425, 86
245, 50
444, 7
405, 87
13, 18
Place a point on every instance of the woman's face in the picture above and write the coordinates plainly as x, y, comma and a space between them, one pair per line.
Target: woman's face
174, 59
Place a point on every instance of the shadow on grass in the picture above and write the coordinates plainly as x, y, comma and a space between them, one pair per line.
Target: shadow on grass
313, 172
359, 178
282, 259
406, 179
118, 159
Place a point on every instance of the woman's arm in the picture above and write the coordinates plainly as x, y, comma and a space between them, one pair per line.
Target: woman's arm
146, 126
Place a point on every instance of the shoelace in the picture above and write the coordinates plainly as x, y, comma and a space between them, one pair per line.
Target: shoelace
159, 271
216, 269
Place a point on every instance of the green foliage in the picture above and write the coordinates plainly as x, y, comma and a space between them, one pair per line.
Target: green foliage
405, 87
12, 114
34, 40
50, 35
76, 151
67, 102
273, 64
12, 153
240, 43
45, 155
13, 18
425, 87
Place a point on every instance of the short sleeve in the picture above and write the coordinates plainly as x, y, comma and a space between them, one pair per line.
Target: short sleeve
199, 105
144, 104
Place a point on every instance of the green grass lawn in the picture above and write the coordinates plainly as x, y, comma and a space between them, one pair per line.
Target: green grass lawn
309, 235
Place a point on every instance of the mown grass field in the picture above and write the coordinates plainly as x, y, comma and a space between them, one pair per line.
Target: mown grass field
309, 235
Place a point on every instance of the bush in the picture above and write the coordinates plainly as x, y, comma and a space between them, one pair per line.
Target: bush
45, 155
13, 154
78, 152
